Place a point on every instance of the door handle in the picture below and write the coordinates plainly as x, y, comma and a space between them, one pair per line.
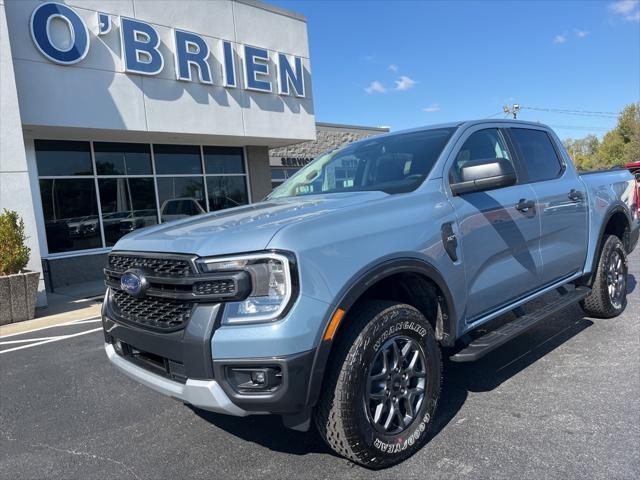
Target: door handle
576, 195
524, 205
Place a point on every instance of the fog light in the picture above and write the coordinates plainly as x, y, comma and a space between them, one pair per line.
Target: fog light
259, 377
254, 379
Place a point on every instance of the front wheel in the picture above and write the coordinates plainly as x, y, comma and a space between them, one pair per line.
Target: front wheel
608, 297
383, 385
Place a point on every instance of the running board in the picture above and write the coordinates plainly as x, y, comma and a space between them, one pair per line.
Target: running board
479, 347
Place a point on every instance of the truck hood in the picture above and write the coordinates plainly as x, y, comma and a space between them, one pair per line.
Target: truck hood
241, 229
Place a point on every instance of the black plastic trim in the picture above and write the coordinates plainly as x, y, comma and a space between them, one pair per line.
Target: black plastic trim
166, 255
190, 345
289, 397
241, 280
590, 277
350, 294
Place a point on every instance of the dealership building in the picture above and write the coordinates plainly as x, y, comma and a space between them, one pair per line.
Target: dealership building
120, 114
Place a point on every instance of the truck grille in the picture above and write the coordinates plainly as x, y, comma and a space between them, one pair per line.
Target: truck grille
156, 265
215, 287
159, 313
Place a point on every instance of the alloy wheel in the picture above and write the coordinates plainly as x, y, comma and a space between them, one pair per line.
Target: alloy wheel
396, 385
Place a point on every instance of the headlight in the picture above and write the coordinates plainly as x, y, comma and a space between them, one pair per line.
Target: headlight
272, 285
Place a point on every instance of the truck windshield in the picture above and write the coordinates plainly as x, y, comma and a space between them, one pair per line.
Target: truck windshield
391, 163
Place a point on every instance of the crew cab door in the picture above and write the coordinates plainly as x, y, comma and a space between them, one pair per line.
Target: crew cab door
562, 203
499, 229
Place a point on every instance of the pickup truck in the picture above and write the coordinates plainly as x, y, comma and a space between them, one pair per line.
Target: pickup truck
336, 298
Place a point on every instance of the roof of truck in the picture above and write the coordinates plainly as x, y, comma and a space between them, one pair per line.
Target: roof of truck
466, 123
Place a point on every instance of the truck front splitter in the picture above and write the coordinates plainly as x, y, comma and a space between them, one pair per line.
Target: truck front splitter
205, 394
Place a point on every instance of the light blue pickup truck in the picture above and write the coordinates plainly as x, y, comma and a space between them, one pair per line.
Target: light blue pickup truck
336, 298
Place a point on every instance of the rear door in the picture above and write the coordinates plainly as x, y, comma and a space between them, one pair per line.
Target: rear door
562, 203
498, 238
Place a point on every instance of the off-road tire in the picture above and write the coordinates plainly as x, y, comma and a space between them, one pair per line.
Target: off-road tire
598, 303
341, 416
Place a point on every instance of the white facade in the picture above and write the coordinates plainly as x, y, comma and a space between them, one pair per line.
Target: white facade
96, 99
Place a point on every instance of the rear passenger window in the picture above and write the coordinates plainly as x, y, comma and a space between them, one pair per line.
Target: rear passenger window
537, 152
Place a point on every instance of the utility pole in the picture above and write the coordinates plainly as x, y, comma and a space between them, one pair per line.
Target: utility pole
512, 110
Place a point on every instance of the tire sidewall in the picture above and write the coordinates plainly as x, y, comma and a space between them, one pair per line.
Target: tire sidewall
406, 321
612, 244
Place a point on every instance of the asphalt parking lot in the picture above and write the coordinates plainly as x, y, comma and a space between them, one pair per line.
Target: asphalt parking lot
562, 401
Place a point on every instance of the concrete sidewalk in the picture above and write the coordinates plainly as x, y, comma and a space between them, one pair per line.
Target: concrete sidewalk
65, 305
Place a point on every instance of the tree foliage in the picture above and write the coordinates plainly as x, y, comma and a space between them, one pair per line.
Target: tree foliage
618, 147
14, 254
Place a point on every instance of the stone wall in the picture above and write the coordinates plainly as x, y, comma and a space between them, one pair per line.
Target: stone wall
328, 137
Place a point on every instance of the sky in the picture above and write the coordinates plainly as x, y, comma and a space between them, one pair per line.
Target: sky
405, 64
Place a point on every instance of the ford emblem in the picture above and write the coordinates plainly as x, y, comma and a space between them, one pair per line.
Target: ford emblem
134, 282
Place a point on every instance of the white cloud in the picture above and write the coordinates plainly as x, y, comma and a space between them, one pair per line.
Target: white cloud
401, 84
628, 9
393, 67
559, 39
404, 83
375, 87
434, 107
624, 6
580, 33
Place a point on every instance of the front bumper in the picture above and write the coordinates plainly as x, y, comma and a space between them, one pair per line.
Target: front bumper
180, 363
205, 394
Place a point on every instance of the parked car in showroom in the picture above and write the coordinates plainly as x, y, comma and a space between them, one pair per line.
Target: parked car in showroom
335, 299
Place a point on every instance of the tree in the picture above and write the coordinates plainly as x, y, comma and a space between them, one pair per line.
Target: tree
618, 147
14, 254
582, 150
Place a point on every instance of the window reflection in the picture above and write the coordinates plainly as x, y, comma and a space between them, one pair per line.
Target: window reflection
226, 192
180, 197
71, 214
177, 159
127, 204
55, 158
126, 186
122, 158
223, 160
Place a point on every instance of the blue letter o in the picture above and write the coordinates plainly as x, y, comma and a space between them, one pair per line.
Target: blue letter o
40, 20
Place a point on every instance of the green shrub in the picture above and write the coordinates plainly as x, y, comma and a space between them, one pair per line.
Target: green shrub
14, 254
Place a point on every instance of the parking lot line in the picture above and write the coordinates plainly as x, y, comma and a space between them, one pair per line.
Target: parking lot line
53, 339
70, 322
26, 340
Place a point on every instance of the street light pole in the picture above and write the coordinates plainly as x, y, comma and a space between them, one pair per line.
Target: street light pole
512, 110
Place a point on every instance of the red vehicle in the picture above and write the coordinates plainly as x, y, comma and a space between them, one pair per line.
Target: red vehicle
634, 168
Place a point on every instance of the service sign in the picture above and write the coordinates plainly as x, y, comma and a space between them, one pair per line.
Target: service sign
140, 52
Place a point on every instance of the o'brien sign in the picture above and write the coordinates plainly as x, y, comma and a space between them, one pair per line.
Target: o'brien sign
141, 54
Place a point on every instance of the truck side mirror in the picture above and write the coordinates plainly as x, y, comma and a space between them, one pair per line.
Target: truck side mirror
484, 174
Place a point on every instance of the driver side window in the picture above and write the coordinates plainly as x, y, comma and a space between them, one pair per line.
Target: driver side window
481, 145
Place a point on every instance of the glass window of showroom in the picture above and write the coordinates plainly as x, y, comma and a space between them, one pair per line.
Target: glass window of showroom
93, 193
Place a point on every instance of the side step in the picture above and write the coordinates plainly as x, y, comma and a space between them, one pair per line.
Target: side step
479, 347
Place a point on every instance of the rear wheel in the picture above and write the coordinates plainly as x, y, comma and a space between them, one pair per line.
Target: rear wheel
608, 297
383, 385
